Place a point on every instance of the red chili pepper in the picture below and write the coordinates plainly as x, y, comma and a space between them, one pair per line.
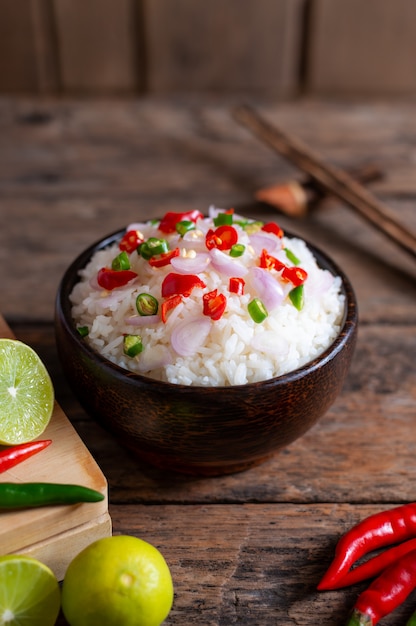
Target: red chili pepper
223, 237
296, 275
376, 531
16, 454
374, 566
130, 241
164, 259
272, 227
168, 222
214, 304
236, 285
182, 284
386, 592
110, 279
269, 262
168, 305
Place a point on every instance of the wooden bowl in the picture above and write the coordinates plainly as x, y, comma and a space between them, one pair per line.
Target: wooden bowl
202, 430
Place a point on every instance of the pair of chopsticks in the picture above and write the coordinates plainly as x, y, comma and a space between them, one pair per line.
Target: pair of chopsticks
335, 180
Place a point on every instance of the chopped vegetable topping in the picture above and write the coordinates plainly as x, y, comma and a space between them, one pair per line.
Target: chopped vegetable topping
225, 218
272, 227
110, 279
184, 226
168, 305
130, 241
269, 262
214, 304
169, 221
257, 310
132, 345
164, 259
146, 304
296, 297
295, 275
182, 284
121, 262
237, 249
292, 257
223, 237
236, 285
83, 330
152, 247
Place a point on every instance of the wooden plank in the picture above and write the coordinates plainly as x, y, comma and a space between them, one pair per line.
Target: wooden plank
27, 52
364, 48
98, 45
251, 45
55, 532
251, 563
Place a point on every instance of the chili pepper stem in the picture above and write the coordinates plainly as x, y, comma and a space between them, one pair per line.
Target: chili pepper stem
359, 619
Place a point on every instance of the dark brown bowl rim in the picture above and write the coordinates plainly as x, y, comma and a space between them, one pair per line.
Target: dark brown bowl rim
71, 277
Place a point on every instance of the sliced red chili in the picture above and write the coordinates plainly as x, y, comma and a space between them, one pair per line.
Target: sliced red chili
181, 284
110, 279
168, 305
164, 259
272, 227
269, 262
236, 285
214, 304
295, 275
130, 241
170, 219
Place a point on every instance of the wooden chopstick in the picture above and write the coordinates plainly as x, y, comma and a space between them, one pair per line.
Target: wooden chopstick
338, 182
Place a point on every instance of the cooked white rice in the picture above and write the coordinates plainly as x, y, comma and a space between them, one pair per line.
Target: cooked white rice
233, 350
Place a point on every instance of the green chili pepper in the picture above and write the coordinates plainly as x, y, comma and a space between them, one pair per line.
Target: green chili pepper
237, 249
83, 330
223, 219
296, 297
184, 226
121, 262
253, 227
292, 257
153, 246
27, 495
257, 310
146, 304
132, 345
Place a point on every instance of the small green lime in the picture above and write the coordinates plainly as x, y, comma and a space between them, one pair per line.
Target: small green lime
26, 393
29, 592
117, 581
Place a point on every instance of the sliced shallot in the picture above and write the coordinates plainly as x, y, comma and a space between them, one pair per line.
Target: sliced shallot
190, 335
225, 264
191, 265
267, 287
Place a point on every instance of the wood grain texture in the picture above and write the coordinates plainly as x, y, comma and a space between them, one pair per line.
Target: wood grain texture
98, 46
239, 45
361, 48
251, 547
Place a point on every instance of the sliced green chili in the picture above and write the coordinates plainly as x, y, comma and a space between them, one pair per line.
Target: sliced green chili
153, 246
237, 249
223, 219
297, 297
26, 495
83, 330
184, 226
146, 304
121, 261
257, 310
292, 257
253, 227
132, 345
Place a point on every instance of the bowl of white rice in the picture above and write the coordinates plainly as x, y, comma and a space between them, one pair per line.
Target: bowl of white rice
205, 343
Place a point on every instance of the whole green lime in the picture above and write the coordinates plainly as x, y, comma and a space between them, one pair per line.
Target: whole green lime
117, 581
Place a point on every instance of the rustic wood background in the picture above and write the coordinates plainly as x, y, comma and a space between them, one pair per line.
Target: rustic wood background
279, 47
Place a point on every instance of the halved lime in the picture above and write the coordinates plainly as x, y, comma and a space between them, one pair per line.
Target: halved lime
26, 393
29, 592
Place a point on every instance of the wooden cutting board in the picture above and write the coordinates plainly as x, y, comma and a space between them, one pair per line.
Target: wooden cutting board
54, 535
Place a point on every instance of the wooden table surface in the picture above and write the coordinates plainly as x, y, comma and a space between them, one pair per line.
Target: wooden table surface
248, 548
